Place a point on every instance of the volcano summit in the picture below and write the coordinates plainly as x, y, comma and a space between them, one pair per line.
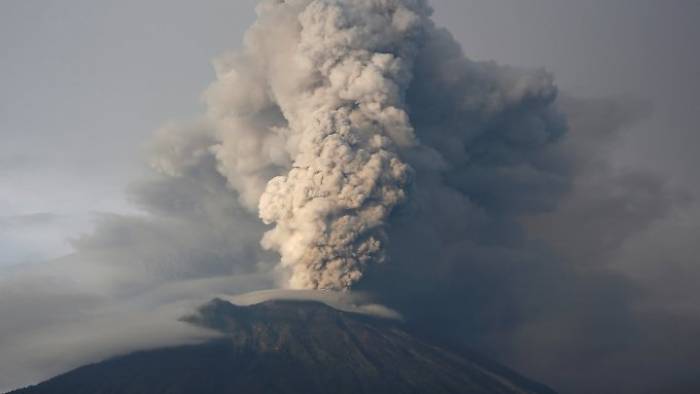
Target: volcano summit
294, 347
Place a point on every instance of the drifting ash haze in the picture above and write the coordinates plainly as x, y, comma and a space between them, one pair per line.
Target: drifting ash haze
352, 145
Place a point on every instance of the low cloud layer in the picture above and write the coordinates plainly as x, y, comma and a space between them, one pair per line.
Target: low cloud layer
352, 144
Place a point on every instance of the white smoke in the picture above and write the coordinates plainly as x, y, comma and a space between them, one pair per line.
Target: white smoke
353, 302
308, 122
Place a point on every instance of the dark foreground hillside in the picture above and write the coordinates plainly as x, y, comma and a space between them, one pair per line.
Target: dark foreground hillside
293, 347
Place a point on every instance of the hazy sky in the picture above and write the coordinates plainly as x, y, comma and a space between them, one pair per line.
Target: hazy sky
84, 83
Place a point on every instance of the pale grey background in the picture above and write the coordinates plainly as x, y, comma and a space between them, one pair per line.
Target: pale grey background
84, 83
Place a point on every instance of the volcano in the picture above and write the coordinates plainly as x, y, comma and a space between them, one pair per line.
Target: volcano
294, 347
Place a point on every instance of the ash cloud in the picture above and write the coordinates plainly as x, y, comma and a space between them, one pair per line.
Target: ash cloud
324, 110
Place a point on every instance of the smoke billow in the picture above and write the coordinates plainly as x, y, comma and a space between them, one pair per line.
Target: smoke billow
317, 98
349, 71
313, 128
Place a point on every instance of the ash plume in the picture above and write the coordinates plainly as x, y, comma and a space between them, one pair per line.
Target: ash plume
310, 120
312, 127
346, 120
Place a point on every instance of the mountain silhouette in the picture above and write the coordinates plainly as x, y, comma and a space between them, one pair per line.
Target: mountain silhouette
294, 347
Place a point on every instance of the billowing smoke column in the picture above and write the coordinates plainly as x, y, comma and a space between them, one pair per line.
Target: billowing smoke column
348, 120
336, 109
317, 98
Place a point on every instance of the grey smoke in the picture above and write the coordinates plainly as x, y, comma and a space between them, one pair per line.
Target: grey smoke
311, 127
317, 98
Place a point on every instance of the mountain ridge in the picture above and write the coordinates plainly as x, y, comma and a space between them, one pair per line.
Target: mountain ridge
291, 346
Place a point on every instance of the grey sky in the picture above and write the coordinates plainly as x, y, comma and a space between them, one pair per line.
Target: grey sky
85, 83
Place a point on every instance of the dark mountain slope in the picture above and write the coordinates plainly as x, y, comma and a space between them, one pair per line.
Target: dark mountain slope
293, 347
